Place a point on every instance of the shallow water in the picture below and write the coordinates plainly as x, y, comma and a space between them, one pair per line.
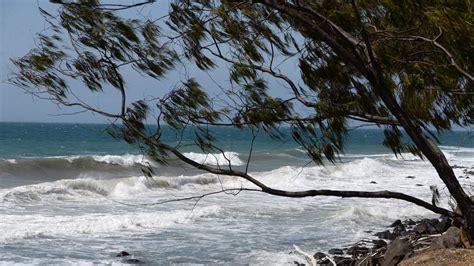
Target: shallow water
71, 194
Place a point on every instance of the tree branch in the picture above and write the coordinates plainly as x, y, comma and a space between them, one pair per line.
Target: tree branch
440, 47
294, 194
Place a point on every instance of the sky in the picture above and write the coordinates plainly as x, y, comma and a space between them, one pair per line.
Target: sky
20, 20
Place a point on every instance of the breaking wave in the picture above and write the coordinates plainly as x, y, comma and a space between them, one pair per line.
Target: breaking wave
102, 163
222, 159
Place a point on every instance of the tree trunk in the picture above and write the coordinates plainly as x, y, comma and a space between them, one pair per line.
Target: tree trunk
429, 150
469, 222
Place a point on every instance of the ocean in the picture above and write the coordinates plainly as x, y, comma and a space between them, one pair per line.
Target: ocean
72, 194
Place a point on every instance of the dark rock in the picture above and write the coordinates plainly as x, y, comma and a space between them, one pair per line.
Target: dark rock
411, 177
419, 185
133, 261
321, 258
379, 243
396, 251
319, 255
409, 222
123, 254
385, 235
335, 251
298, 264
399, 230
396, 223
444, 224
421, 228
410, 234
434, 226
343, 261
357, 251
373, 182
470, 172
427, 226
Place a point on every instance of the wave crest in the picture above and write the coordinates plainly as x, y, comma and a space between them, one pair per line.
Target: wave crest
223, 159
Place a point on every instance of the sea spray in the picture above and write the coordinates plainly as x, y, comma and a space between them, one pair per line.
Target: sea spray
82, 198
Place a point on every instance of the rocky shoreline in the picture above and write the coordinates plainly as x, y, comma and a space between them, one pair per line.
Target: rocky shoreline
401, 240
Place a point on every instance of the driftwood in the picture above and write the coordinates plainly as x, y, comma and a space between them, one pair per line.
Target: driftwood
310, 259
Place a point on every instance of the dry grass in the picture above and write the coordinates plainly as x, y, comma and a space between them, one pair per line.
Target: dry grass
442, 257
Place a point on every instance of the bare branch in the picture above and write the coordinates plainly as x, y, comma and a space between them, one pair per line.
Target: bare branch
295, 194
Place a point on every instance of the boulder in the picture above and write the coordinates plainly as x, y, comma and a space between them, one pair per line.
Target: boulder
343, 261
321, 258
335, 251
436, 226
399, 230
449, 239
373, 182
385, 235
319, 255
427, 226
411, 177
396, 223
444, 224
410, 234
358, 251
123, 254
470, 172
379, 243
397, 250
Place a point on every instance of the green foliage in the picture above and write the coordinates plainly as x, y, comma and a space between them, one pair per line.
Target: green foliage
337, 47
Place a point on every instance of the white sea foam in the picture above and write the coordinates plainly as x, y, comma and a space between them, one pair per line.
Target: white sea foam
39, 226
331, 219
130, 186
222, 159
55, 191
457, 149
262, 257
124, 160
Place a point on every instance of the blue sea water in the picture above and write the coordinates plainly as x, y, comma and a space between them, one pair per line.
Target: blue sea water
72, 194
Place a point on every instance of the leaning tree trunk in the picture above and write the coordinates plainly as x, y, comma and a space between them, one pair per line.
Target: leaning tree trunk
431, 152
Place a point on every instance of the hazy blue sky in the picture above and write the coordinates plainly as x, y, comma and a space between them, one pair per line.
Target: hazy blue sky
20, 20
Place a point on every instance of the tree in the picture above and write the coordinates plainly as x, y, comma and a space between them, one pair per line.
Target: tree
404, 66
